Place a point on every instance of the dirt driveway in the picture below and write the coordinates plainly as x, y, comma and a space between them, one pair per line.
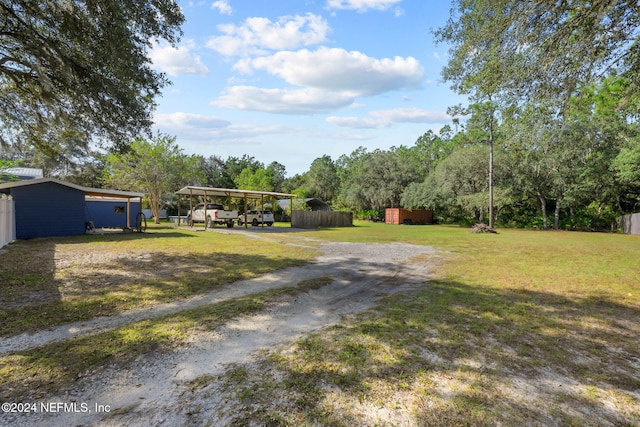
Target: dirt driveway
149, 392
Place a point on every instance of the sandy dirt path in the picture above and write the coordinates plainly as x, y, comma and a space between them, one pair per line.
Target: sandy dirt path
149, 392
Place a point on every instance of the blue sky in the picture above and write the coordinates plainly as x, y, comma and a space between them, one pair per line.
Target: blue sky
292, 80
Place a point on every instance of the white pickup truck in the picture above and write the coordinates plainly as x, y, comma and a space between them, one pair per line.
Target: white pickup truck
211, 214
256, 217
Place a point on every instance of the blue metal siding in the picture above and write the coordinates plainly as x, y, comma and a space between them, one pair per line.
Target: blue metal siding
48, 209
103, 213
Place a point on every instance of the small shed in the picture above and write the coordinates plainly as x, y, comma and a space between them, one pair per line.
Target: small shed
311, 202
47, 207
408, 216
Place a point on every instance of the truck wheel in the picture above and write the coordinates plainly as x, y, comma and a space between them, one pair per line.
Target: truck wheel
269, 224
210, 223
230, 224
254, 222
189, 221
239, 223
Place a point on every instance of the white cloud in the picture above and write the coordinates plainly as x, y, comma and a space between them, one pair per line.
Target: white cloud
222, 6
198, 132
338, 70
358, 122
180, 120
385, 118
362, 5
321, 81
259, 35
176, 61
283, 101
411, 115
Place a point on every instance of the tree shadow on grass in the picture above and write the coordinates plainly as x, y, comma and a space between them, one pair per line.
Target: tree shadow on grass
466, 356
28, 267
59, 363
40, 288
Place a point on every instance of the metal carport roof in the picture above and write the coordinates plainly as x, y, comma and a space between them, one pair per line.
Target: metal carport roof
230, 192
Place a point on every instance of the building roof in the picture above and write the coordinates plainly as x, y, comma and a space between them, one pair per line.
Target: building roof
100, 192
310, 201
229, 192
23, 172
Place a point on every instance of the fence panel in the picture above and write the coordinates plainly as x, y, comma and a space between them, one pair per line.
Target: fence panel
7, 220
630, 224
315, 219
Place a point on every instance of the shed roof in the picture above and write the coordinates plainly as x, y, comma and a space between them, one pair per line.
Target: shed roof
87, 190
314, 203
229, 192
24, 172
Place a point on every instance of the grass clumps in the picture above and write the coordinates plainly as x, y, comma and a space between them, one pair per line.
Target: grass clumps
524, 328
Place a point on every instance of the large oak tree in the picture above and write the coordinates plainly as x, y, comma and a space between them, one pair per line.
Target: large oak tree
81, 65
539, 48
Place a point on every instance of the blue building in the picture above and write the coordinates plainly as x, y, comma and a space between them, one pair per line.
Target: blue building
110, 212
47, 207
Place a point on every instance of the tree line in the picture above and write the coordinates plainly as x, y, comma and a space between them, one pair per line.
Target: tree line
580, 170
549, 140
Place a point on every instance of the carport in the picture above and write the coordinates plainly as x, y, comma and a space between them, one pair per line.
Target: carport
246, 195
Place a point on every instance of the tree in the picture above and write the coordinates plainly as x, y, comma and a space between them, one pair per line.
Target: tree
376, 180
278, 174
461, 180
430, 148
539, 49
234, 166
81, 66
627, 168
481, 129
322, 179
157, 167
4, 166
215, 173
260, 179
348, 168
295, 185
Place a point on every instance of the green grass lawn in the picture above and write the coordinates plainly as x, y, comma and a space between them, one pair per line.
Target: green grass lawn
53, 281
517, 328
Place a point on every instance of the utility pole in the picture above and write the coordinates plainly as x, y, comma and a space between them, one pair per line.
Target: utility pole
491, 119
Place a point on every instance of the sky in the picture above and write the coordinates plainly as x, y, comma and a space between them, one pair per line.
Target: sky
293, 80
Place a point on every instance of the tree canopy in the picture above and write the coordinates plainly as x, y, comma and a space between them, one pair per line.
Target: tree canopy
540, 49
80, 65
156, 167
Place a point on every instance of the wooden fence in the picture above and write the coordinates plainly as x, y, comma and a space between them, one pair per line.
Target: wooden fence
316, 219
7, 220
630, 224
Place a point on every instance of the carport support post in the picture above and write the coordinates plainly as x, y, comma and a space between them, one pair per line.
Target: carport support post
190, 204
206, 202
129, 211
291, 216
245, 211
178, 210
262, 207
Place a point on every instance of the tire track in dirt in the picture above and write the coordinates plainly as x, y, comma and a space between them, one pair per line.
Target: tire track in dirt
149, 392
